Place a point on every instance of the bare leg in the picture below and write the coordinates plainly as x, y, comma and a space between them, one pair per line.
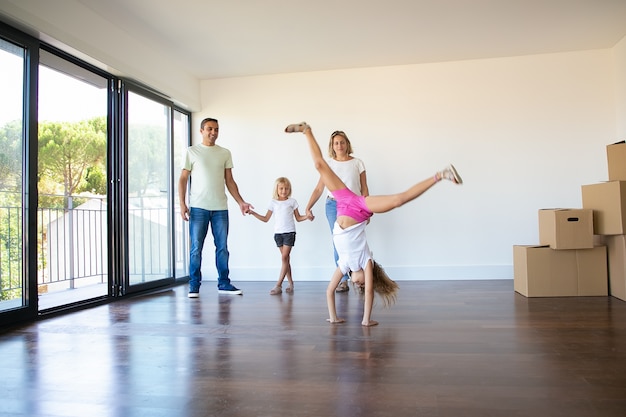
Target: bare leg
384, 203
369, 296
285, 269
328, 176
330, 297
378, 203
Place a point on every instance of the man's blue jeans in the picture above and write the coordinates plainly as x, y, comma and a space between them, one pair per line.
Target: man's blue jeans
331, 215
199, 220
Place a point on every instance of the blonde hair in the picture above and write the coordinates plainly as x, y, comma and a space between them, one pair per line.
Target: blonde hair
281, 180
331, 151
384, 286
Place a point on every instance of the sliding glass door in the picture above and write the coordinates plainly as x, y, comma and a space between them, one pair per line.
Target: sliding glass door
149, 196
182, 131
13, 282
72, 183
88, 204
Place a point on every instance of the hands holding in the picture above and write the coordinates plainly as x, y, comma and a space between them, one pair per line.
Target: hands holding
245, 207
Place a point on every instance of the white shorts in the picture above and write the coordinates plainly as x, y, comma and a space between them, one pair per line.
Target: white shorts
351, 246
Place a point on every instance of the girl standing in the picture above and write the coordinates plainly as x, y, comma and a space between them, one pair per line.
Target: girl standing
286, 209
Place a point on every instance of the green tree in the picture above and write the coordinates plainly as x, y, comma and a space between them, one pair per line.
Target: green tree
11, 156
95, 181
10, 210
71, 159
96, 177
146, 158
68, 152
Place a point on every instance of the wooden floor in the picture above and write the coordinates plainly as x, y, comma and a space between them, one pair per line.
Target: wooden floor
447, 348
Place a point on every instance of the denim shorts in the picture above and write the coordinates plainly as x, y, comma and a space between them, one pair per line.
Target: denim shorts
285, 239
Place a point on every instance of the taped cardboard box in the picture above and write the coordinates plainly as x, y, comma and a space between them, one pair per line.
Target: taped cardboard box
616, 159
608, 202
564, 228
616, 247
540, 271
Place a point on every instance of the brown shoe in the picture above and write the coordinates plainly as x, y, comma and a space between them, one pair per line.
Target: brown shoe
297, 127
343, 287
450, 173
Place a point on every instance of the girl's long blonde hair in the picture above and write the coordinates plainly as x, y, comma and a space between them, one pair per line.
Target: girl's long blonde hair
384, 286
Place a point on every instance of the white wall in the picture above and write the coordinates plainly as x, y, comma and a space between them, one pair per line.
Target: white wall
524, 132
619, 54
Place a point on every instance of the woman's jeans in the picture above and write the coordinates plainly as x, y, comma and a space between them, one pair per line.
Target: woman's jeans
331, 215
199, 220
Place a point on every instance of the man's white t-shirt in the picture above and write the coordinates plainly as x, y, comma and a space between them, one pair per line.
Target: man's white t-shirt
207, 165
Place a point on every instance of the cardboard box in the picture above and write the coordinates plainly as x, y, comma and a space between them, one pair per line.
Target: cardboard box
616, 248
616, 158
608, 202
540, 271
593, 275
566, 228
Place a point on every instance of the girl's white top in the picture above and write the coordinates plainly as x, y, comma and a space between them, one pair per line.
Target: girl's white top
352, 248
284, 220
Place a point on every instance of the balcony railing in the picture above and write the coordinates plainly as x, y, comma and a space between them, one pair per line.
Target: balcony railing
72, 244
10, 252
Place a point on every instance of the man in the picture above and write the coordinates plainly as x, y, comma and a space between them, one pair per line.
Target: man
210, 166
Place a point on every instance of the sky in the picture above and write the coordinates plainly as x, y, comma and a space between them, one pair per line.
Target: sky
60, 97
63, 97
10, 87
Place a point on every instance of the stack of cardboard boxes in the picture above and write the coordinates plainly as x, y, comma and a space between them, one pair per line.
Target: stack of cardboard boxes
571, 259
608, 202
566, 262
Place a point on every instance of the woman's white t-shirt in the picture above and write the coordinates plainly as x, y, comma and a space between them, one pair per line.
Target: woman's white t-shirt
349, 172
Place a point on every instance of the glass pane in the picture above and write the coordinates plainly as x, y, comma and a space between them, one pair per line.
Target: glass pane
12, 283
149, 179
72, 217
181, 242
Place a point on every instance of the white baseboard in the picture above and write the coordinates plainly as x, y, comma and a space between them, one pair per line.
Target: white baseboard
401, 273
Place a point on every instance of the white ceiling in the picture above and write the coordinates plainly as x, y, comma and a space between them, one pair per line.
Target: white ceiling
216, 38
171, 45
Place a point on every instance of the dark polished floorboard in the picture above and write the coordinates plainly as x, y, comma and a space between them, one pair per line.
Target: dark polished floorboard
446, 349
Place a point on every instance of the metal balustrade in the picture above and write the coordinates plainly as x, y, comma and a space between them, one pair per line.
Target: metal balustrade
72, 245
